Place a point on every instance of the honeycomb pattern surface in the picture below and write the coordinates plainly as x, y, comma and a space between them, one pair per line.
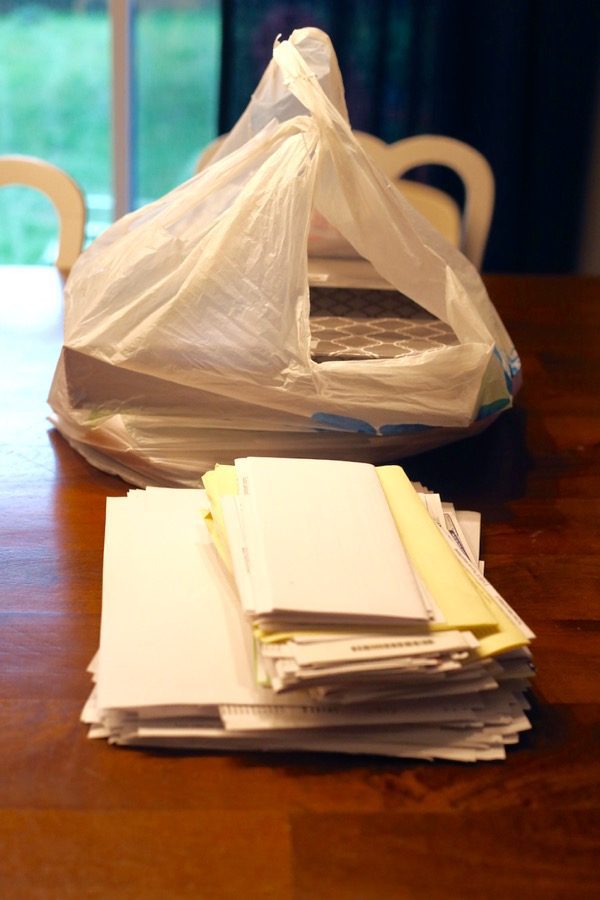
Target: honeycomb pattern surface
353, 324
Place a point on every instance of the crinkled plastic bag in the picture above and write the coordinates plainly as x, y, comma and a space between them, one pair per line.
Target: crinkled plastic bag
187, 334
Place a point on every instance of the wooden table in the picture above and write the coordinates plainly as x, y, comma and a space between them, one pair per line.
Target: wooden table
81, 819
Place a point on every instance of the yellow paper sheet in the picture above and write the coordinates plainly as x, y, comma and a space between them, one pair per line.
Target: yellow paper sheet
219, 482
464, 603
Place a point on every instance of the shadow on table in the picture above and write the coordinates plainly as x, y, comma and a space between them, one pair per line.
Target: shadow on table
482, 472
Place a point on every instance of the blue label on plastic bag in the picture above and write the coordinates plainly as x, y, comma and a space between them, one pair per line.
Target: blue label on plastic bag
510, 367
404, 429
490, 409
344, 423
359, 426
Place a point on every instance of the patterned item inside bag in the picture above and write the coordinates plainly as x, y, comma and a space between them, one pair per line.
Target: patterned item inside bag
350, 323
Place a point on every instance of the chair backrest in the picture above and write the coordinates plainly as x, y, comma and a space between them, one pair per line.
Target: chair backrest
471, 166
62, 190
468, 229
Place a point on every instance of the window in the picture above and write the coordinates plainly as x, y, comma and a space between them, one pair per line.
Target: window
57, 60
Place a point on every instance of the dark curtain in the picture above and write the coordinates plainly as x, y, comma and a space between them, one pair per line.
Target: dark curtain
515, 78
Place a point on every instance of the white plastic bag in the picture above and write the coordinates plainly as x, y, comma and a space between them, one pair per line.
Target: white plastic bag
187, 333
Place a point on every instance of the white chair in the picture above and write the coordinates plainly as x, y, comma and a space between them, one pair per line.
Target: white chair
64, 193
467, 229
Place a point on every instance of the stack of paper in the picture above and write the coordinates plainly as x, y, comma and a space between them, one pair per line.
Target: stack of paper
318, 605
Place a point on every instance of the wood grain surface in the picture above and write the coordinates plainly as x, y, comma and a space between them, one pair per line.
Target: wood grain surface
81, 819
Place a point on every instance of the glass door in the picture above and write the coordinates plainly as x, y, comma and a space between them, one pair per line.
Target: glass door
69, 70
54, 103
